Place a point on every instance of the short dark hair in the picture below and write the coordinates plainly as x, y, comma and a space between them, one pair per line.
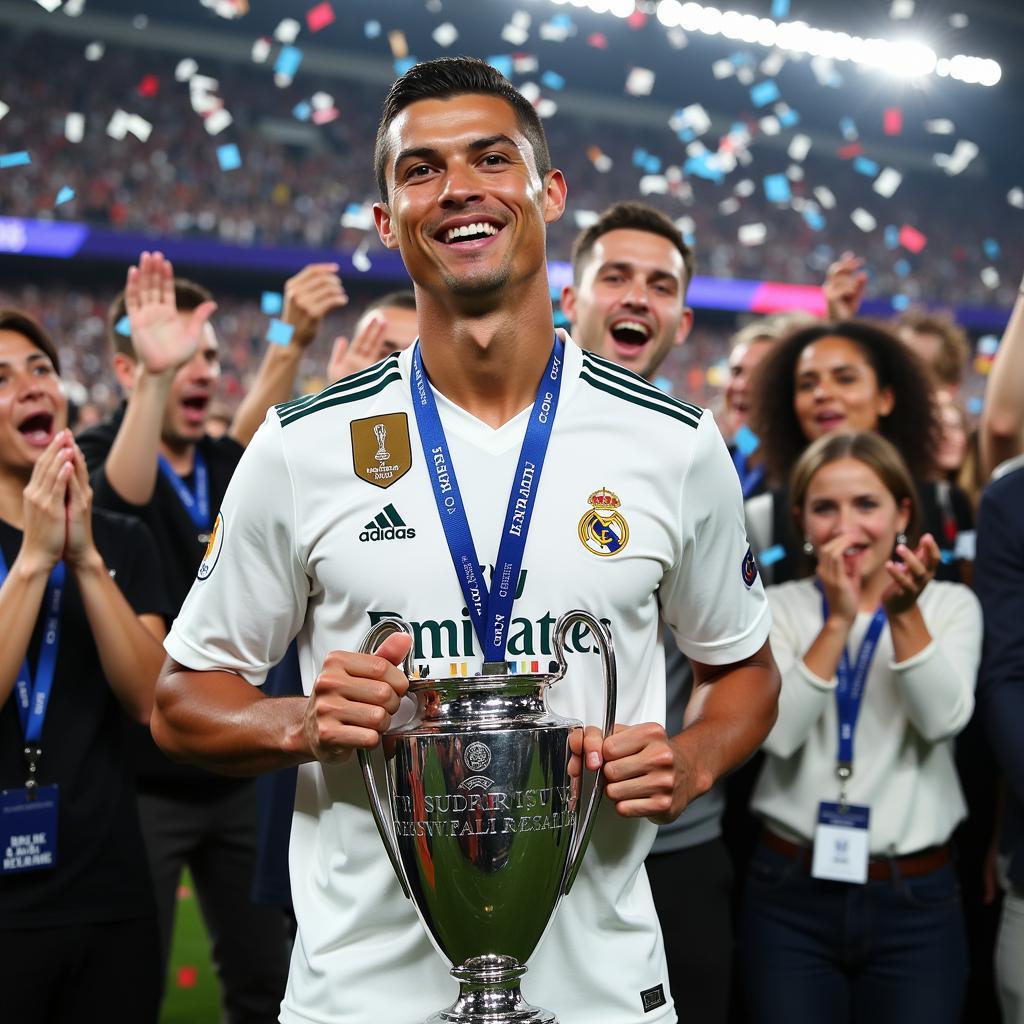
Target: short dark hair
635, 217
393, 300
32, 331
187, 295
954, 348
455, 76
911, 426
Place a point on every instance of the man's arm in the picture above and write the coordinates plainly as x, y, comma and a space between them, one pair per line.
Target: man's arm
308, 296
650, 775
1002, 419
222, 723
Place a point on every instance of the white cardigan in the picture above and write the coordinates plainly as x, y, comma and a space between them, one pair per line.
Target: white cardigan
903, 746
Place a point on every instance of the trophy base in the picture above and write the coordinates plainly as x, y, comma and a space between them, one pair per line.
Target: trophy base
489, 994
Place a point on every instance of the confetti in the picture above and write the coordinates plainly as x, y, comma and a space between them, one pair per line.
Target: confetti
445, 34
547, 108
848, 128
502, 63
271, 303
640, 82
862, 165
799, 147
322, 100
279, 333
398, 43
990, 277
217, 121
95, 51
74, 127
729, 206
326, 115
991, 248
891, 236
752, 234
764, 93
900, 302
229, 157
403, 65
814, 218
319, 17
900, 10
585, 218
902, 267
360, 260
557, 30
654, 185
677, 38
288, 61
690, 122
795, 173
723, 68
358, 217
14, 159
780, 9
912, 239
49, 5
892, 121
772, 64
988, 345
301, 111
73, 8
65, 195
776, 188
825, 197
864, 220
187, 977
825, 72
848, 152
371, 29
776, 553
746, 440
940, 126
287, 30
601, 161
149, 86
956, 162
515, 35
1015, 197
524, 64
975, 405
770, 125
959, 21
124, 327
787, 116
551, 80
887, 182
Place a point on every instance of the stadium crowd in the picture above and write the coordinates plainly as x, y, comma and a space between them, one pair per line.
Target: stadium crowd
877, 510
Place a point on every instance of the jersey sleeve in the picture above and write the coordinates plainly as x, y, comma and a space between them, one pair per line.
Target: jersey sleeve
249, 598
712, 598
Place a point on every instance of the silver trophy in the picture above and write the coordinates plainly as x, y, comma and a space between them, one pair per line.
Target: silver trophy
483, 830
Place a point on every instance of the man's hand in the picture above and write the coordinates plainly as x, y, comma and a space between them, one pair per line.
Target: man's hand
644, 774
308, 297
365, 349
353, 700
160, 340
845, 281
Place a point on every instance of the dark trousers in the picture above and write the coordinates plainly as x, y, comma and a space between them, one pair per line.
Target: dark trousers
692, 892
216, 840
888, 952
93, 972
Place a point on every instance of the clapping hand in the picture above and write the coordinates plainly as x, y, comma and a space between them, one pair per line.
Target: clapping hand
161, 339
910, 575
43, 504
841, 585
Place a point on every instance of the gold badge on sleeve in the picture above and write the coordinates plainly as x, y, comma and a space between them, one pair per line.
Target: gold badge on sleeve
381, 452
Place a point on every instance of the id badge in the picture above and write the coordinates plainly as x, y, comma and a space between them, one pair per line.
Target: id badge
28, 830
841, 843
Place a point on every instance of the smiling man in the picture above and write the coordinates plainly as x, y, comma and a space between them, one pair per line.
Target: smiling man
488, 396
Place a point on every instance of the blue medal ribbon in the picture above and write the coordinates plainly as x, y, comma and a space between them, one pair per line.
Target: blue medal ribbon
490, 610
197, 501
750, 479
851, 680
33, 693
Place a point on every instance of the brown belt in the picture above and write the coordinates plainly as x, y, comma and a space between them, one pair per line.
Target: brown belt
879, 868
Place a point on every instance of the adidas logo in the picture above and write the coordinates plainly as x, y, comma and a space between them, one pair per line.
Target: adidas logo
387, 525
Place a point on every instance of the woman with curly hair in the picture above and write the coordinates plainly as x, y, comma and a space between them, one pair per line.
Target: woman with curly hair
853, 375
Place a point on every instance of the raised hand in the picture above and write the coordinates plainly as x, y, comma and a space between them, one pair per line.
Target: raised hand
910, 576
308, 297
842, 588
845, 281
78, 545
162, 340
43, 501
365, 349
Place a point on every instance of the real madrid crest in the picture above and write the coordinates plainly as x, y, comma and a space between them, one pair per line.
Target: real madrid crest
381, 452
214, 544
603, 529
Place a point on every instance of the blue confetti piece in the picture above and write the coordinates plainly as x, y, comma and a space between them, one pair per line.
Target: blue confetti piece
124, 327
746, 440
640, 157
780, 9
652, 165
279, 333
975, 405
902, 268
815, 220
991, 247
892, 236
663, 383
789, 118
502, 63
764, 93
302, 111
776, 553
848, 127
288, 61
562, 21
862, 165
701, 167
65, 195
371, 29
901, 302
776, 188
403, 65
228, 157
553, 80
271, 303
988, 345
686, 135
947, 556
740, 58
15, 159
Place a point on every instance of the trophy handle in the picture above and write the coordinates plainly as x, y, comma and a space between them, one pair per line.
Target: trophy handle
379, 632
604, 642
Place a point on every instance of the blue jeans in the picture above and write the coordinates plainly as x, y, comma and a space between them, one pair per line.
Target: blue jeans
819, 952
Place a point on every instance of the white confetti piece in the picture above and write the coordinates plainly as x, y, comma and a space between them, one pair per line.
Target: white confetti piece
795, 172
653, 185
217, 121
357, 217
547, 108
1015, 197
3, 110
445, 34
287, 30
514, 35
49, 5
74, 8
745, 75
770, 125
360, 260
825, 197
524, 64
990, 277
728, 206
887, 182
74, 127
260, 50
799, 147
940, 126
900, 10
752, 234
693, 118
640, 82
723, 68
530, 92
139, 127
94, 51
957, 161
321, 100
117, 127
745, 188
585, 218
864, 220
185, 70
773, 64
677, 38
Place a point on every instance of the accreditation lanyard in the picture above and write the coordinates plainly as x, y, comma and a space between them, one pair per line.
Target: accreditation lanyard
33, 693
750, 479
197, 500
850, 683
491, 611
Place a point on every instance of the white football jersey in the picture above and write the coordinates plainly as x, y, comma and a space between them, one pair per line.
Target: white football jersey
330, 524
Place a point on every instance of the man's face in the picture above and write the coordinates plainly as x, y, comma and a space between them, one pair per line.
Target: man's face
192, 390
467, 208
742, 361
628, 305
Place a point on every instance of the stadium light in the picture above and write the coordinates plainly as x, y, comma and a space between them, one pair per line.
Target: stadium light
906, 58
